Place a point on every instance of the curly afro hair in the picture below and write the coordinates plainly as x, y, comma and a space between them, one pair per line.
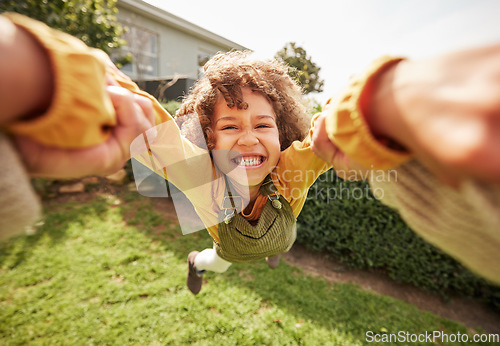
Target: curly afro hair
225, 75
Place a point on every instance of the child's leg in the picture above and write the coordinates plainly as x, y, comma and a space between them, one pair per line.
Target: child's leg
209, 260
273, 262
198, 262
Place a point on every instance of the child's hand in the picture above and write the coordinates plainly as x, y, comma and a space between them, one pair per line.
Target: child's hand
134, 116
324, 148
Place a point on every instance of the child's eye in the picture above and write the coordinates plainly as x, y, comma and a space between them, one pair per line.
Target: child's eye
263, 126
229, 127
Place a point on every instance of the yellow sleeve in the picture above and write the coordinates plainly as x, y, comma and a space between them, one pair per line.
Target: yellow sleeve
81, 112
161, 115
297, 169
347, 127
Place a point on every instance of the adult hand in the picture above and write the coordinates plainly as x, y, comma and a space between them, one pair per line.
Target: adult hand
445, 110
134, 116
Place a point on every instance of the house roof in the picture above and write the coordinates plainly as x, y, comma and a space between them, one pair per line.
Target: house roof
167, 18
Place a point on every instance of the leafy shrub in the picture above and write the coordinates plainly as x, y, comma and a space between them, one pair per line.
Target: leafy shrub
343, 219
94, 22
171, 106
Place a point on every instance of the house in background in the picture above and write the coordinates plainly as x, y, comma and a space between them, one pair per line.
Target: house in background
168, 52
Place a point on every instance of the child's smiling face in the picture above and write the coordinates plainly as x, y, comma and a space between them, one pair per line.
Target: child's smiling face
246, 140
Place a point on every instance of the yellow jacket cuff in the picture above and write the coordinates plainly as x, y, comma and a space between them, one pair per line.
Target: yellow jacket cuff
347, 127
80, 109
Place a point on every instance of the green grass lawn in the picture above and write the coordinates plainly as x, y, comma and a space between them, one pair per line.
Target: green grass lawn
113, 270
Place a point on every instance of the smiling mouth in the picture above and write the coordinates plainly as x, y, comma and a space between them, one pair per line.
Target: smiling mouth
249, 161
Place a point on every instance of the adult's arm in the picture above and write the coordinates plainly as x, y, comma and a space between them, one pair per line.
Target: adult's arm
444, 110
26, 86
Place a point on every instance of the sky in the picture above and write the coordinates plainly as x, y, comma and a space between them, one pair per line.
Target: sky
342, 37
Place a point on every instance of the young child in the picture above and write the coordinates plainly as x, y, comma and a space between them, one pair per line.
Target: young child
255, 126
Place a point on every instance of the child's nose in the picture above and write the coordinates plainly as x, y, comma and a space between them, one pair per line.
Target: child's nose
248, 138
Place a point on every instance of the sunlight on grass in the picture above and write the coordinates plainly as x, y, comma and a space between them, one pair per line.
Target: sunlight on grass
114, 273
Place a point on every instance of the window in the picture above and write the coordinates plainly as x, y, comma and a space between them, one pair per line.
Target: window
143, 46
203, 57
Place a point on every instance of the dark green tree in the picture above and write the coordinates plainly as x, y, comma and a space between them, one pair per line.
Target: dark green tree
302, 69
92, 21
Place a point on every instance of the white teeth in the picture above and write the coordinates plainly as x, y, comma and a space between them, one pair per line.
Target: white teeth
249, 161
